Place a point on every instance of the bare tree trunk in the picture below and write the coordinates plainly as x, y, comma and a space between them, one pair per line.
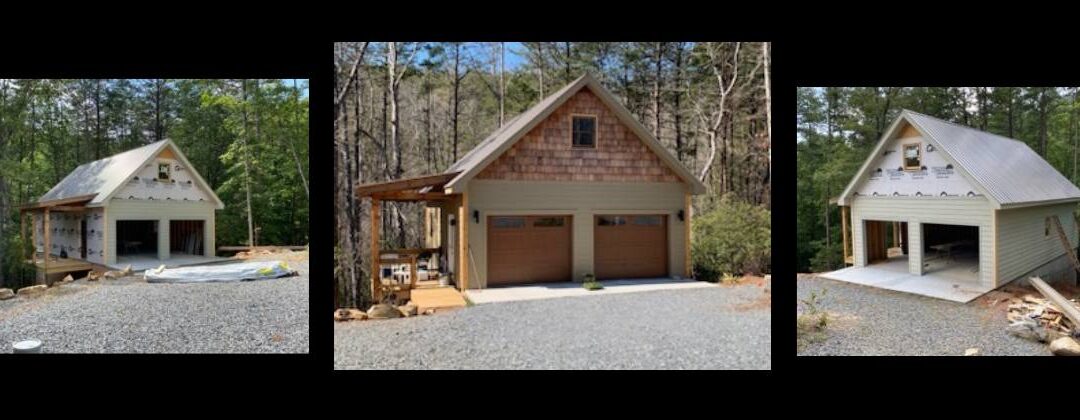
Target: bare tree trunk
768, 101
724, 89
502, 83
247, 167
97, 119
657, 76
455, 99
540, 65
292, 146
679, 152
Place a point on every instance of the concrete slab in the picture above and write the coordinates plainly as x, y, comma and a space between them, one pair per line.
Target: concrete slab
568, 289
141, 262
955, 280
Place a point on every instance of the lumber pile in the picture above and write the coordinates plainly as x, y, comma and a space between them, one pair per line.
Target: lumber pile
1041, 311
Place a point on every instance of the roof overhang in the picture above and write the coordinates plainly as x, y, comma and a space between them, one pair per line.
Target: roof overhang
62, 204
1038, 203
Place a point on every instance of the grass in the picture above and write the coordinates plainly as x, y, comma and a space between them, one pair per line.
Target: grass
812, 325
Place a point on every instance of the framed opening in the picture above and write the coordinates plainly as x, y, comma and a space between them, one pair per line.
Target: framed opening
164, 171
912, 156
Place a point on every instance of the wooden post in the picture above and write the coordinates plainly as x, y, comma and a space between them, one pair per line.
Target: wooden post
843, 228
463, 243
22, 236
47, 243
375, 275
686, 226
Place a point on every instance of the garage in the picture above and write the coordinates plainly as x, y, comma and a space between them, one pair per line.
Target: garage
186, 237
136, 237
631, 246
528, 249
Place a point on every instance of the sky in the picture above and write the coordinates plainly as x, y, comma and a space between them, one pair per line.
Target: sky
513, 60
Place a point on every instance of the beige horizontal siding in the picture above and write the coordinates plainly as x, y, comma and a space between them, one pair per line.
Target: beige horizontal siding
917, 211
1023, 242
581, 200
163, 212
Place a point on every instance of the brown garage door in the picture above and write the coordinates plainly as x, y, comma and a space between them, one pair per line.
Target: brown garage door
631, 246
528, 249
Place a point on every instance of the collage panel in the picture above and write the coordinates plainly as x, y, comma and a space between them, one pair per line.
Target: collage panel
154, 216
937, 221
552, 205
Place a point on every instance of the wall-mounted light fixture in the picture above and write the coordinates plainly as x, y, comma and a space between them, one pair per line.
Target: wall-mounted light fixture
682, 215
929, 148
476, 216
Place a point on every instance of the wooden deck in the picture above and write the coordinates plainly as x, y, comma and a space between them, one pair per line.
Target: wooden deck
63, 265
438, 298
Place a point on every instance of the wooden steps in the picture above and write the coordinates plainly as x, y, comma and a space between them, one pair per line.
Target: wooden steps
437, 298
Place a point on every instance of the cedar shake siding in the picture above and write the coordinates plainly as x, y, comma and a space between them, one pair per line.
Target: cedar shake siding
545, 153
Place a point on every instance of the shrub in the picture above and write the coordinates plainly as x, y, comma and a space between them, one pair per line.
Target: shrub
810, 326
590, 283
17, 272
735, 237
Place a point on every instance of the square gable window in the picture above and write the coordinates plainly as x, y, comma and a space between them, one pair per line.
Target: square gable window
163, 171
912, 156
584, 131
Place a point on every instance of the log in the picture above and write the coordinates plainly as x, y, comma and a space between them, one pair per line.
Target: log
1066, 307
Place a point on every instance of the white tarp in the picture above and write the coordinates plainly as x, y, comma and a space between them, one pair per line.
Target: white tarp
258, 270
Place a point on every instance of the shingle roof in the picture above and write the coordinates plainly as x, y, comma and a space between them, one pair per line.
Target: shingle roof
506, 135
1009, 172
104, 176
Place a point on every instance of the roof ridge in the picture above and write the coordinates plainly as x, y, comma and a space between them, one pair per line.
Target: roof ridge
966, 127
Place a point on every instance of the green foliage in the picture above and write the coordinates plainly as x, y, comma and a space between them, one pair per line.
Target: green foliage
734, 237
811, 325
17, 272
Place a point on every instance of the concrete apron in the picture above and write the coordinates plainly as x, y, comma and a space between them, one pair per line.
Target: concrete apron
954, 284
568, 289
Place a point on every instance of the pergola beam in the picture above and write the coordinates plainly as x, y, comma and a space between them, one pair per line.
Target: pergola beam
410, 196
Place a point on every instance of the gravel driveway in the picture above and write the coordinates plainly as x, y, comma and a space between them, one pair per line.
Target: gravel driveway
709, 328
867, 321
131, 316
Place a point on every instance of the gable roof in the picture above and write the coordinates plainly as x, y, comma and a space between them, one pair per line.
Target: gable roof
1005, 170
104, 177
509, 133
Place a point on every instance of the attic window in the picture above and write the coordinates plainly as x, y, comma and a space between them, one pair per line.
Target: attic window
583, 128
912, 156
163, 171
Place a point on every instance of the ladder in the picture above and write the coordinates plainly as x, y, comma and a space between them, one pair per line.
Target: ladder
1064, 241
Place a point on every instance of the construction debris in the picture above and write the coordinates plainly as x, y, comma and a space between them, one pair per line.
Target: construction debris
1065, 346
383, 311
349, 315
1067, 307
93, 276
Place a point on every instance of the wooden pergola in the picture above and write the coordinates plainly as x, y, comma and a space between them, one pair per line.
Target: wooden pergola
419, 189
75, 204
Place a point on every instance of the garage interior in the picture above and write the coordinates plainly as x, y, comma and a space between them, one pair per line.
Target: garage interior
951, 249
186, 237
136, 237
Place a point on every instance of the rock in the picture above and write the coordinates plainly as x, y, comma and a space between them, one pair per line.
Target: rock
114, 274
974, 351
32, 289
67, 279
383, 311
93, 276
408, 310
6, 294
357, 315
1065, 346
1028, 329
127, 270
342, 315
429, 312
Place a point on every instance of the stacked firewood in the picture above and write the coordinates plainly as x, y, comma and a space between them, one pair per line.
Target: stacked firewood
1041, 311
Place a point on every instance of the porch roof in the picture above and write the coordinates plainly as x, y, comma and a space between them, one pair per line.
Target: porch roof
422, 188
77, 203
